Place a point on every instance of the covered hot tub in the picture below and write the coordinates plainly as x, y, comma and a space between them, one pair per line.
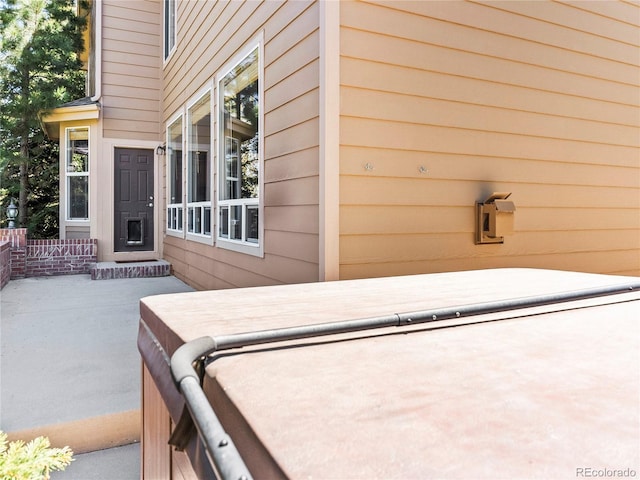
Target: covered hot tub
505, 373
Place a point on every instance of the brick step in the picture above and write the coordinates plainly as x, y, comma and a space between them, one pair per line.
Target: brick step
110, 270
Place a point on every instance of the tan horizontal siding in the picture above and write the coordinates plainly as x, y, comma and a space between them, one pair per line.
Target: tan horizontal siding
152, 84
297, 110
303, 54
297, 191
130, 63
424, 247
571, 15
413, 81
143, 39
131, 52
376, 220
413, 109
122, 17
435, 138
285, 36
293, 218
294, 139
175, 255
299, 164
293, 245
480, 168
610, 262
490, 16
209, 35
407, 53
298, 83
132, 115
443, 103
457, 249
415, 219
542, 219
392, 22
145, 104
134, 9
409, 191
134, 129
193, 263
131, 94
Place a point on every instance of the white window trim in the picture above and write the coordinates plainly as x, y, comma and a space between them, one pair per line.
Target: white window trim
249, 248
202, 206
178, 205
245, 204
198, 237
166, 55
68, 175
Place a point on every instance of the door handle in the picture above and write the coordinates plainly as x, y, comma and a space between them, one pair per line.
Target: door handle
150, 204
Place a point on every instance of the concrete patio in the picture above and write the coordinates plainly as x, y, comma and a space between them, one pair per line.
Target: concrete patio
70, 369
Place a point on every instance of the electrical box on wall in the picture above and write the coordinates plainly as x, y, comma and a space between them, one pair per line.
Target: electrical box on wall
494, 218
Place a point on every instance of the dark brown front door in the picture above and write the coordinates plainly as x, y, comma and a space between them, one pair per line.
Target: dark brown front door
134, 200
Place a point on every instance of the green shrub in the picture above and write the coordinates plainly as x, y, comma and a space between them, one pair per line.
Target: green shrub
31, 461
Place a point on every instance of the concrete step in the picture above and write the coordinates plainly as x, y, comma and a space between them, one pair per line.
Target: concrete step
146, 269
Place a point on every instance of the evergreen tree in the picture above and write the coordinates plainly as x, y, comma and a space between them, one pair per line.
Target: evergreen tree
40, 68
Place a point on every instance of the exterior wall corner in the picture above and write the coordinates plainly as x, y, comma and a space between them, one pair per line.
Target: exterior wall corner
329, 201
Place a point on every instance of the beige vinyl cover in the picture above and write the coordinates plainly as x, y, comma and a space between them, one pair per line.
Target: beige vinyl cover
546, 392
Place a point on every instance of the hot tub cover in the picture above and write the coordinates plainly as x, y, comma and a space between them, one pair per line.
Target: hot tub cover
545, 392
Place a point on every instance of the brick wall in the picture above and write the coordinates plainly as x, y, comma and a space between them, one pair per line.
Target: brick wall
18, 262
5, 262
35, 258
17, 238
60, 257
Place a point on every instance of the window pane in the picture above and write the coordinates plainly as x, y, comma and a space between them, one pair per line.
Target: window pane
252, 224
77, 150
224, 222
174, 135
240, 104
236, 222
232, 168
206, 220
198, 177
174, 218
199, 144
169, 26
79, 197
239, 151
197, 220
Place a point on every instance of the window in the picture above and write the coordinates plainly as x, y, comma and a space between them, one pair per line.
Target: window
174, 177
199, 167
169, 27
77, 172
239, 158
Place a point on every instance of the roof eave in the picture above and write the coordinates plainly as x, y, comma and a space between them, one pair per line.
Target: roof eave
50, 121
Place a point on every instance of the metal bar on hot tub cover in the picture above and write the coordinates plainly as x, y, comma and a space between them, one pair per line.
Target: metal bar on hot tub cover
221, 450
